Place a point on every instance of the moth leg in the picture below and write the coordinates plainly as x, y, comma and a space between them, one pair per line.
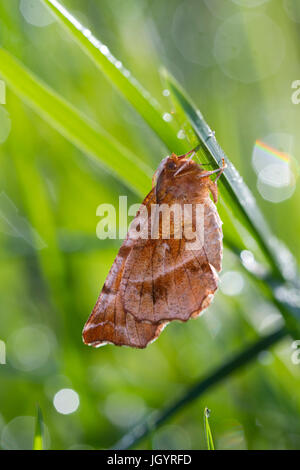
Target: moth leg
190, 152
213, 187
213, 184
218, 170
221, 170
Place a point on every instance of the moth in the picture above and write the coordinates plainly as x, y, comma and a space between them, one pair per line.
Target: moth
154, 281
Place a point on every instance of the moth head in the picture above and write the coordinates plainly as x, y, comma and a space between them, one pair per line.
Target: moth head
173, 167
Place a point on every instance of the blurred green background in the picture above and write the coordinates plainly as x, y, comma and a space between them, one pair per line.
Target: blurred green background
238, 60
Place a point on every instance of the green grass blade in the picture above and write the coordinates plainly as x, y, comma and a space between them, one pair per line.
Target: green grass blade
238, 194
73, 125
38, 441
208, 433
119, 76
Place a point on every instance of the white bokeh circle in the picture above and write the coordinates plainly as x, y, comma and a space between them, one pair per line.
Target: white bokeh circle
292, 8
244, 61
66, 401
35, 13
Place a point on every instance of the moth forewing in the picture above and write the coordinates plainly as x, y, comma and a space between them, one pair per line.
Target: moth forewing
166, 268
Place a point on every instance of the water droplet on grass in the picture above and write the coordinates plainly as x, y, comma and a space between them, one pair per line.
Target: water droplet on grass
167, 117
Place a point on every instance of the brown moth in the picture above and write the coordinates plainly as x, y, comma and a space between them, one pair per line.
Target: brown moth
156, 280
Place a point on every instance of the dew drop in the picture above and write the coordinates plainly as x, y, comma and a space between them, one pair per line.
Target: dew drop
104, 49
167, 117
181, 134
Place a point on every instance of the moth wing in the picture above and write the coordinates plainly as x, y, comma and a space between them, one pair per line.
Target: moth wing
171, 281
155, 281
108, 322
213, 235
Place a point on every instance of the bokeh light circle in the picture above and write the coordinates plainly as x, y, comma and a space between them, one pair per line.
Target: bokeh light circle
30, 347
66, 401
124, 409
35, 13
221, 9
276, 183
247, 62
272, 160
231, 283
233, 436
171, 437
292, 8
191, 31
268, 149
18, 434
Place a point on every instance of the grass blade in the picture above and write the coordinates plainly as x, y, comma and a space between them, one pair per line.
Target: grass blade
73, 125
118, 75
208, 434
38, 441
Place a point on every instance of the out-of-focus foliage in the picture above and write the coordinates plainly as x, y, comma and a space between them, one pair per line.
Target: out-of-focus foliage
238, 60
